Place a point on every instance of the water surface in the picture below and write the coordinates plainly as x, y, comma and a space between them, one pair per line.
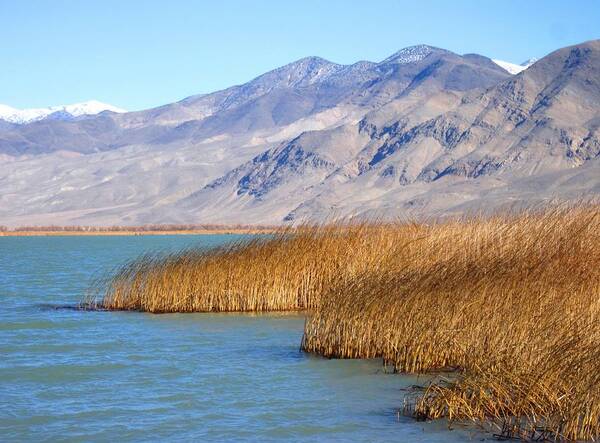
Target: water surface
69, 375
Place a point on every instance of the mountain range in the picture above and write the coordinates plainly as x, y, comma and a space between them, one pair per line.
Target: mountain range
425, 132
62, 112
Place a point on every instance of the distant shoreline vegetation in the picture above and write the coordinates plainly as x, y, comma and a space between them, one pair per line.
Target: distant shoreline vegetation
507, 307
154, 229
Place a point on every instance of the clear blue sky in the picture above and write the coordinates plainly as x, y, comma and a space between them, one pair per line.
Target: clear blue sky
139, 54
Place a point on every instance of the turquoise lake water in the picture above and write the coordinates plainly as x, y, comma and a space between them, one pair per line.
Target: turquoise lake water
68, 375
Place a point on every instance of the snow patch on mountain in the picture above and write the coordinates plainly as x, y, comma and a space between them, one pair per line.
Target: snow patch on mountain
529, 62
24, 116
513, 68
412, 54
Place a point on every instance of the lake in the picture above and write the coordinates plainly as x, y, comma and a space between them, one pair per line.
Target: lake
71, 375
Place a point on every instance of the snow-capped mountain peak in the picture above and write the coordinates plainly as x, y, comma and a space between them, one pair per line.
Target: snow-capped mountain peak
513, 68
528, 63
89, 108
411, 54
24, 116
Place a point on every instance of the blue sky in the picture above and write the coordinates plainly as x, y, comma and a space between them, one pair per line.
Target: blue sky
139, 54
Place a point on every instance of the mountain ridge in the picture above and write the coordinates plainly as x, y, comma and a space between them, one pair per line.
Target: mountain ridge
30, 115
424, 132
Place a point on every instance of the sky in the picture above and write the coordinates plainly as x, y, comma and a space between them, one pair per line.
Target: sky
140, 54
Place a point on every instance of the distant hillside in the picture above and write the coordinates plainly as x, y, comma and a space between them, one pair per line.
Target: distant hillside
424, 132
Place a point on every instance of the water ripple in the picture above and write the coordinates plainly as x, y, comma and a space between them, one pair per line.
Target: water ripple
73, 374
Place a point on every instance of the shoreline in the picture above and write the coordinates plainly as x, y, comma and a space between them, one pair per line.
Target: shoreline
43, 233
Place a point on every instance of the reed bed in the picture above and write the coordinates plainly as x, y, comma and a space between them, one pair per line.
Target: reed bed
284, 272
506, 308
510, 305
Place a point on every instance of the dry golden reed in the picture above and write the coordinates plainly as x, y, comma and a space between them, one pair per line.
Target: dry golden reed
286, 271
507, 307
510, 305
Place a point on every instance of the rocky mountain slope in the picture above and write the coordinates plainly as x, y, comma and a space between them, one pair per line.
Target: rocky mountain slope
424, 132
